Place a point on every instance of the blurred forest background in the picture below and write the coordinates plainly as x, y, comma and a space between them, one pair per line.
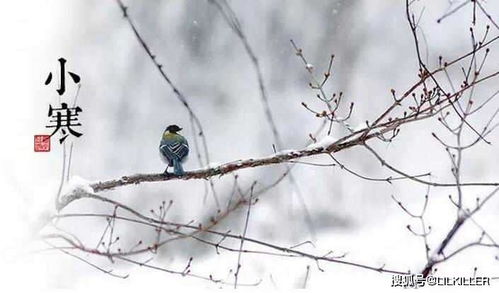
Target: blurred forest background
126, 106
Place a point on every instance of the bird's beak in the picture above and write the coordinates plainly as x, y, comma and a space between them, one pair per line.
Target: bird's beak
180, 129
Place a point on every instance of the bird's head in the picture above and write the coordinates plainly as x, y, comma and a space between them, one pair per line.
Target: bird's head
173, 128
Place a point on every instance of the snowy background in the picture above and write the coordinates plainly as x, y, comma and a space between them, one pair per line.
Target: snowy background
126, 106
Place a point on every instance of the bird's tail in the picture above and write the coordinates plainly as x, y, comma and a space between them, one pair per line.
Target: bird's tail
177, 168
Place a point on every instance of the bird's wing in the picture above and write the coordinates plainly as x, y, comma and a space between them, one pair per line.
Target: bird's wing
175, 150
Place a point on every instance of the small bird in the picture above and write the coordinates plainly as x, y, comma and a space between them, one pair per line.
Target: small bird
173, 149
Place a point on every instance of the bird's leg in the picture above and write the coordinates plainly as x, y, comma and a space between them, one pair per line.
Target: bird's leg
166, 171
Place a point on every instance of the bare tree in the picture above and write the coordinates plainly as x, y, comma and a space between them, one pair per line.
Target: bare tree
445, 92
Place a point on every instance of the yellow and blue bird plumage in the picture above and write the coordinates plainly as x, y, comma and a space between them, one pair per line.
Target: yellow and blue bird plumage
174, 149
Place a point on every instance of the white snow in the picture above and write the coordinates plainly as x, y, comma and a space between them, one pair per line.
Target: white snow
77, 183
323, 143
213, 165
286, 152
356, 127
359, 127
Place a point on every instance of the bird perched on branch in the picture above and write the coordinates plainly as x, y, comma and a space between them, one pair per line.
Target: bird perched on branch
173, 149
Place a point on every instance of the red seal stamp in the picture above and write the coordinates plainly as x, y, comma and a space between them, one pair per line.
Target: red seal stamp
42, 143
